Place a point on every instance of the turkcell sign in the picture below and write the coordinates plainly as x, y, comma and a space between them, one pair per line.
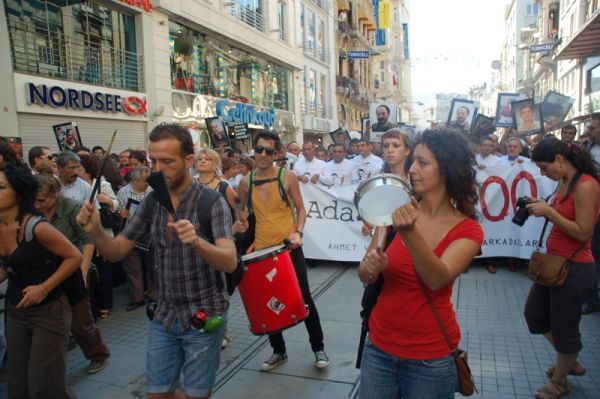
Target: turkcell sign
538, 48
60, 97
245, 113
358, 54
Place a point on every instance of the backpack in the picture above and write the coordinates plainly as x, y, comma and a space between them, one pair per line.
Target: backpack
203, 210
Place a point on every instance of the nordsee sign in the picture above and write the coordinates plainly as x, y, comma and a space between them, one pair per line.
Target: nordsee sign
358, 54
60, 97
245, 113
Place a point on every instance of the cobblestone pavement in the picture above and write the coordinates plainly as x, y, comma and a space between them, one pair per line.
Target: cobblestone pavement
506, 360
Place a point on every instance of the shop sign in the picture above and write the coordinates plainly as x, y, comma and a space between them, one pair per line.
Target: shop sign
538, 48
60, 97
144, 4
245, 113
358, 54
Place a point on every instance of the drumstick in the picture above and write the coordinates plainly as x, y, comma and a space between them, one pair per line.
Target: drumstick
99, 175
380, 233
238, 208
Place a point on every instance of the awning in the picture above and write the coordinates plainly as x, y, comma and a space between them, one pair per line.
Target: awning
343, 5
585, 43
362, 14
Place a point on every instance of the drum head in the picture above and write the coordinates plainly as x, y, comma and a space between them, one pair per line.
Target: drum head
262, 253
377, 198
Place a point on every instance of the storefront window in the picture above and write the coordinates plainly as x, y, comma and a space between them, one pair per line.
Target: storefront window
204, 65
85, 42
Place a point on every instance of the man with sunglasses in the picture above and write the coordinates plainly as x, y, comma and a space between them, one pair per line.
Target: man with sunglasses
39, 155
276, 223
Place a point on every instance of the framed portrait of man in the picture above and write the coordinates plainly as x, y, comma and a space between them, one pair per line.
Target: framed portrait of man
504, 113
527, 116
462, 114
217, 133
16, 144
383, 116
555, 108
341, 136
483, 126
67, 136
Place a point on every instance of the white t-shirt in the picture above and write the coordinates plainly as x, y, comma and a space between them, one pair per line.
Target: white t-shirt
338, 174
303, 167
488, 162
595, 151
366, 167
505, 161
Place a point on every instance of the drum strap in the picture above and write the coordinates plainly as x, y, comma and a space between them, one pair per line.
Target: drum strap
253, 182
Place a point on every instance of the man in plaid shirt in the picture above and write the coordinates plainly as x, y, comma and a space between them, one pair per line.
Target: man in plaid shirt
185, 264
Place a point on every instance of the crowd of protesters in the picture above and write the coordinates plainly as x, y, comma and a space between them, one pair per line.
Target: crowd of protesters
99, 249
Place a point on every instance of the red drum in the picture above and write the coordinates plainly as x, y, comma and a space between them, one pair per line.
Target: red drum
270, 291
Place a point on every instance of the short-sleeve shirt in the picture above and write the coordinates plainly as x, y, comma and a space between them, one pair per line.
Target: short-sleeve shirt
64, 221
402, 324
185, 282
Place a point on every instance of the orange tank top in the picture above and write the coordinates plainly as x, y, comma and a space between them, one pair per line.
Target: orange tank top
274, 219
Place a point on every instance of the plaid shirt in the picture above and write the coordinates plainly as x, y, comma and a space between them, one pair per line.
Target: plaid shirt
185, 282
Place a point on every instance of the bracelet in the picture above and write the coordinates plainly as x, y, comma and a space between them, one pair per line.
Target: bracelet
41, 287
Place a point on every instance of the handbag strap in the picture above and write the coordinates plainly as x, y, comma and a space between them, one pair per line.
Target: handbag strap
569, 190
453, 350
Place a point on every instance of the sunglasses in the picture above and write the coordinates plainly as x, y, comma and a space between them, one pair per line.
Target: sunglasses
259, 149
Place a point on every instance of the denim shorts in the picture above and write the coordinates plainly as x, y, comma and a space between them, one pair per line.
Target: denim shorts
171, 352
383, 376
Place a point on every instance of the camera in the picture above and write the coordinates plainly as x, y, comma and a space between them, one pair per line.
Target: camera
522, 214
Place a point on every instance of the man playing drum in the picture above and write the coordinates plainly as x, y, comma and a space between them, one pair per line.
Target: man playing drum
274, 224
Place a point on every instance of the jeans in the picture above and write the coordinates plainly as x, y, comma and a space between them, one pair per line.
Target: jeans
175, 351
383, 376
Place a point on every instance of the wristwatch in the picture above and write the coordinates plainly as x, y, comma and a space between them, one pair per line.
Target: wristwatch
300, 233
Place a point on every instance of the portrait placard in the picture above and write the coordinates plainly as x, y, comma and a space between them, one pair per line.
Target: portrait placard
365, 124
217, 132
341, 136
504, 113
483, 126
383, 116
67, 136
555, 108
527, 116
16, 144
462, 114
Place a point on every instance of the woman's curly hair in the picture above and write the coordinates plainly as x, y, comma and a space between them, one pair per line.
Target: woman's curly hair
25, 187
456, 161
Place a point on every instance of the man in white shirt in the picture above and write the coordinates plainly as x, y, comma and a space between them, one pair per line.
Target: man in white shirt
309, 168
366, 164
486, 157
513, 149
72, 186
339, 170
39, 155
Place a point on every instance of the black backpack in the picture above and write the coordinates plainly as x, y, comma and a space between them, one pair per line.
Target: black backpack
204, 206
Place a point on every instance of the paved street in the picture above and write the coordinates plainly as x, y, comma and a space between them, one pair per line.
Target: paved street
506, 360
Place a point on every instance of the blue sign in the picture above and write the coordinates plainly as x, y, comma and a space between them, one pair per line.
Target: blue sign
379, 33
245, 113
358, 54
405, 41
538, 48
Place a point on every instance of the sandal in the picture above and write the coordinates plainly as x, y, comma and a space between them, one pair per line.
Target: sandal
557, 391
104, 313
578, 370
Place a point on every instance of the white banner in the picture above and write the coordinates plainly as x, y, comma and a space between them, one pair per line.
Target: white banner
333, 227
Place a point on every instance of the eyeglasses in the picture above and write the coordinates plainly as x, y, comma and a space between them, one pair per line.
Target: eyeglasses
259, 149
48, 157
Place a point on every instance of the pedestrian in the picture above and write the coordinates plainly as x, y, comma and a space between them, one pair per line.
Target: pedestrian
139, 263
406, 354
36, 258
61, 213
185, 269
275, 223
555, 312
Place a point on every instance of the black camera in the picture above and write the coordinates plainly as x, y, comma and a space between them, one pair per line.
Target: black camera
522, 213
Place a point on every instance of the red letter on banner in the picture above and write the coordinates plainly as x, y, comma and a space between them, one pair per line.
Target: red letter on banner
484, 209
532, 186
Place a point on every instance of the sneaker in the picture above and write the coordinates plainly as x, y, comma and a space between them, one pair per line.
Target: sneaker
274, 361
321, 359
95, 367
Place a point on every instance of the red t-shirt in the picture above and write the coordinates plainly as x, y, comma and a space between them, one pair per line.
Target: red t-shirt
402, 323
561, 244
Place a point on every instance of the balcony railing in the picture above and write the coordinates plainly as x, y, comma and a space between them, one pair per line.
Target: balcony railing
41, 52
247, 15
313, 50
316, 110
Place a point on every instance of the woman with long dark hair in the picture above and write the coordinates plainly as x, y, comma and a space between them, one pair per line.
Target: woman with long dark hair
406, 354
555, 312
36, 258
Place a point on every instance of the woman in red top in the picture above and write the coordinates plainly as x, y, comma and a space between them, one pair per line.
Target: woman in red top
556, 311
406, 354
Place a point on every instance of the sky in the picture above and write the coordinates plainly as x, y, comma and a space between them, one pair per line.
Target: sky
453, 44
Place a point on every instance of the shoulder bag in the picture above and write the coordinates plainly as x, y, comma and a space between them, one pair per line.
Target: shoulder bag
547, 269
466, 383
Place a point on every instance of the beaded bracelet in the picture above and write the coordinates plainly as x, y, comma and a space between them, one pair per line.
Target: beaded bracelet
41, 287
